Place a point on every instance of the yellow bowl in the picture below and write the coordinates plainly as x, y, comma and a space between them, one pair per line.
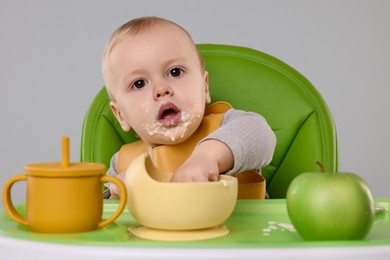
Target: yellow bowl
156, 203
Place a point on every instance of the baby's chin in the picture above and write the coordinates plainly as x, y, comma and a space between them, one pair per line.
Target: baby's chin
169, 138
160, 134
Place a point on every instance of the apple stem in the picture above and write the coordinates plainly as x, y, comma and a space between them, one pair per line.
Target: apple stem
323, 169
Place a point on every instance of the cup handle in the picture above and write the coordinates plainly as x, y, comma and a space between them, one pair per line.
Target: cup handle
7, 201
122, 201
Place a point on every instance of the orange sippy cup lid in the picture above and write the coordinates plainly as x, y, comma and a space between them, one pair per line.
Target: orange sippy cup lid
65, 168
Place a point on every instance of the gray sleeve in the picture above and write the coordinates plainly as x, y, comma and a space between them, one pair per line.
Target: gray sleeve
113, 170
248, 136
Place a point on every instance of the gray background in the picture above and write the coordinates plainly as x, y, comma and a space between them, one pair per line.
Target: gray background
50, 67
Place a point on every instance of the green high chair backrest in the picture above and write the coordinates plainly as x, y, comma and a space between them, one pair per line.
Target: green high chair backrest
253, 81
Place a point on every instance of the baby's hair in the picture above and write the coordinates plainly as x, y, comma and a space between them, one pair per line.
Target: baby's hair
135, 27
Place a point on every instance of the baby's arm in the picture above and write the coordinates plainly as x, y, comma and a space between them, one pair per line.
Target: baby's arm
246, 135
250, 138
208, 159
112, 192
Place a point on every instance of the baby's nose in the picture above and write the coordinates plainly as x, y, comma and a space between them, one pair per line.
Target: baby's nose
162, 90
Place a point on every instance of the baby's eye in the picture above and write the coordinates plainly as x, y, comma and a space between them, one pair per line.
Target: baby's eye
139, 84
175, 72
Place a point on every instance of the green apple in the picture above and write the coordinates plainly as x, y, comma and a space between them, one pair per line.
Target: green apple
330, 206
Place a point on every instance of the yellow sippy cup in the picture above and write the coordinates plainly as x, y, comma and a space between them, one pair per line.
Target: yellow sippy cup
63, 197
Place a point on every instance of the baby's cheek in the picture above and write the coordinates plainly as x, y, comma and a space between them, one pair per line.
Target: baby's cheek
195, 110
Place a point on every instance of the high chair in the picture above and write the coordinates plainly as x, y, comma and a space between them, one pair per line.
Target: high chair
253, 81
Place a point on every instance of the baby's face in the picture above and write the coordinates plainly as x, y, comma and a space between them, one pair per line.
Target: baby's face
159, 87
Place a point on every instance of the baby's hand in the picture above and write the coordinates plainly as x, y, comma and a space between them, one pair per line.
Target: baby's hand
208, 159
197, 168
115, 192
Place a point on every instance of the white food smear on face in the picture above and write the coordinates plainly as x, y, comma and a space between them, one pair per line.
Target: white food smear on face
154, 127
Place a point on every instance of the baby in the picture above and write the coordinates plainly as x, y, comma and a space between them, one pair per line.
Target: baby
158, 86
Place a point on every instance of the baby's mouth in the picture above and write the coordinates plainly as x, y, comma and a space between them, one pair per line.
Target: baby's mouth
169, 115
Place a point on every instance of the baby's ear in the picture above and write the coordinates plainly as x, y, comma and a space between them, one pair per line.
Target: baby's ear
206, 84
117, 113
